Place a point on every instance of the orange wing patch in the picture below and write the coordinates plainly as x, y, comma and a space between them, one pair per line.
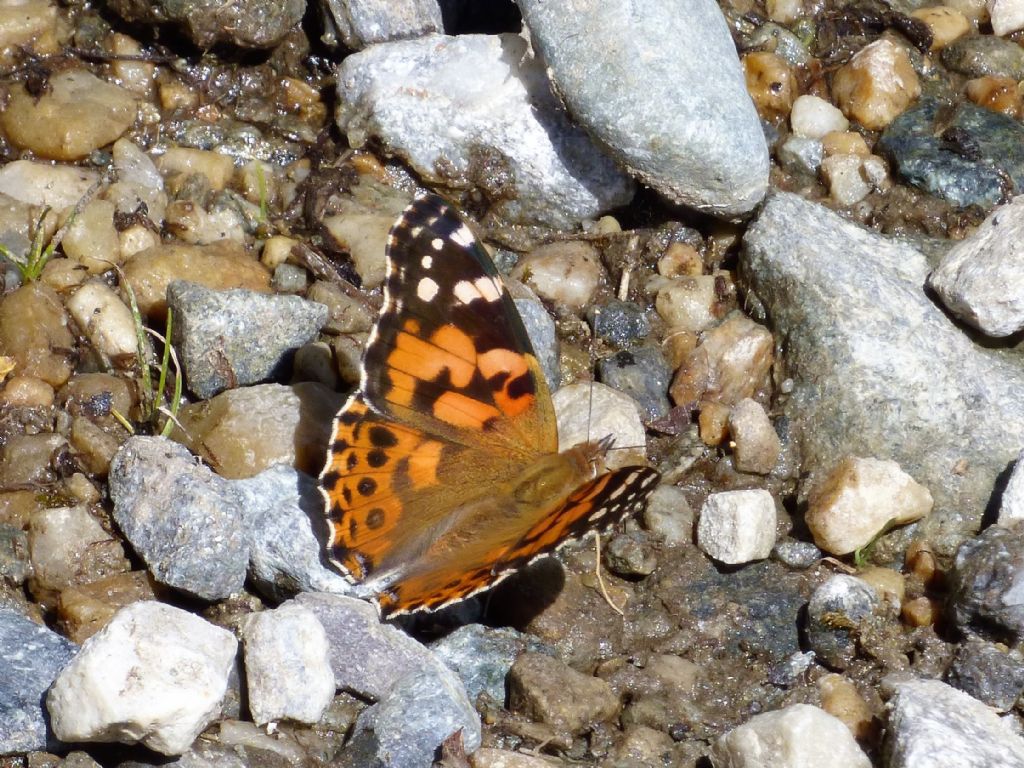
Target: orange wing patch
372, 464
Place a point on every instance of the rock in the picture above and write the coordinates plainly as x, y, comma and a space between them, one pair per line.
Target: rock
643, 374
731, 363
361, 23
799, 736
27, 460
999, 94
668, 516
548, 691
278, 506
37, 183
363, 232
756, 446
836, 612
981, 278
182, 519
617, 65
1012, 508
486, 757
946, 24
812, 117
979, 55
796, 554
859, 331
106, 320
877, 84
932, 725
242, 432
630, 555
347, 312
289, 278
85, 609
592, 411
970, 165
408, 725
68, 546
691, 303
78, 114
737, 526
857, 500
92, 240
154, 674
31, 26
235, 338
502, 128
799, 155
846, 184
31, 656
1007, 16
771, 83
179, 163
540, 329
220, 266
791, 669
34, 331
841, 699
988, 672
138, 182
563, 272
287, 669
987, 583
482, 657
244, 23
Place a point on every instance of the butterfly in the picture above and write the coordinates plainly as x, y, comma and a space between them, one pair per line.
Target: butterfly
443, 475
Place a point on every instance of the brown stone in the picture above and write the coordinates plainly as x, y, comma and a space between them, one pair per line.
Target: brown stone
551, 692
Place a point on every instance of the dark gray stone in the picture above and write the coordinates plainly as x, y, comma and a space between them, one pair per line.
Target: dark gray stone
31, 657
641, 373
877, 369
661, 86
620, 322
360, 23
184, 521
836, 612
796, 554
282, 509
232, 338
245, 23
989, 673
977, 160
980, 55
478, 111
987, 584
791, 670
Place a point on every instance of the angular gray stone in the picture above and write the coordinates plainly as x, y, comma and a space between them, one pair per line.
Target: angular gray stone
232, 338
477, 111
182, 519
877, 369
360, 23
31, 657
835, 613
1011, 510
279, 507
660, 85
986, 585
989, 672
933, 725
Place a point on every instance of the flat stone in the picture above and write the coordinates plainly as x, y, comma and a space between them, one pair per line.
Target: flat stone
619, 65
551, 692
477, 111
877, 369
361, 23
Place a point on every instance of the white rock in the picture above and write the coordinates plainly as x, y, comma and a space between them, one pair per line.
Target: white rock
155, 674
756, 445
1011, 511
138, 181
737, 526
799, 736
981, 278
933, 725
812, 117
567, 273
106, 320
58, 186
590, 411
668, 516
1007, 16
858, 499
784, 11
688, 303
287, 665
846, 183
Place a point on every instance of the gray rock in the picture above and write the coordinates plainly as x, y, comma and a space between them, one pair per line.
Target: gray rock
987, 584
981, 278
232, 338
989, 673
368, 658
31, 657
279, 507
245, 23
980, 55
641, 373
791, 669
837, 610
630, 555
668, 516
977, 160
405, 728
360, 23
182, 519
1011, 510
877, 369
801, 155
290, 278
14, 560
619, 322
932, 725
540, 327
477, 111
796, 554
660, 85
482, 656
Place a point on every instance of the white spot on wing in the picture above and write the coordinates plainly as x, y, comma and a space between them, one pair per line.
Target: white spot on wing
427, 289
488, 288
427, 262
466, 291
437, 243
463, 236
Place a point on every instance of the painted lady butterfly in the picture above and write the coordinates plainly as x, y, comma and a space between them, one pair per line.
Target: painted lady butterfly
444, 474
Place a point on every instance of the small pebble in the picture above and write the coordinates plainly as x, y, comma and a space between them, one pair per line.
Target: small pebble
844, 143
841, 699
985, 582
812, 118
784, 11
889, 584
181, 162
630, 556
591, 410
713, 422
690, 303
106, 321
796, 554
946, 24
91, 240
1011, 509
668, 516
801, 155
989, 672
756, 446
835, 613
876, 85
680, 260
771, 83
999, 94
846, 183
548, 691
566, 272
1007, 16
737, 526
27, 392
